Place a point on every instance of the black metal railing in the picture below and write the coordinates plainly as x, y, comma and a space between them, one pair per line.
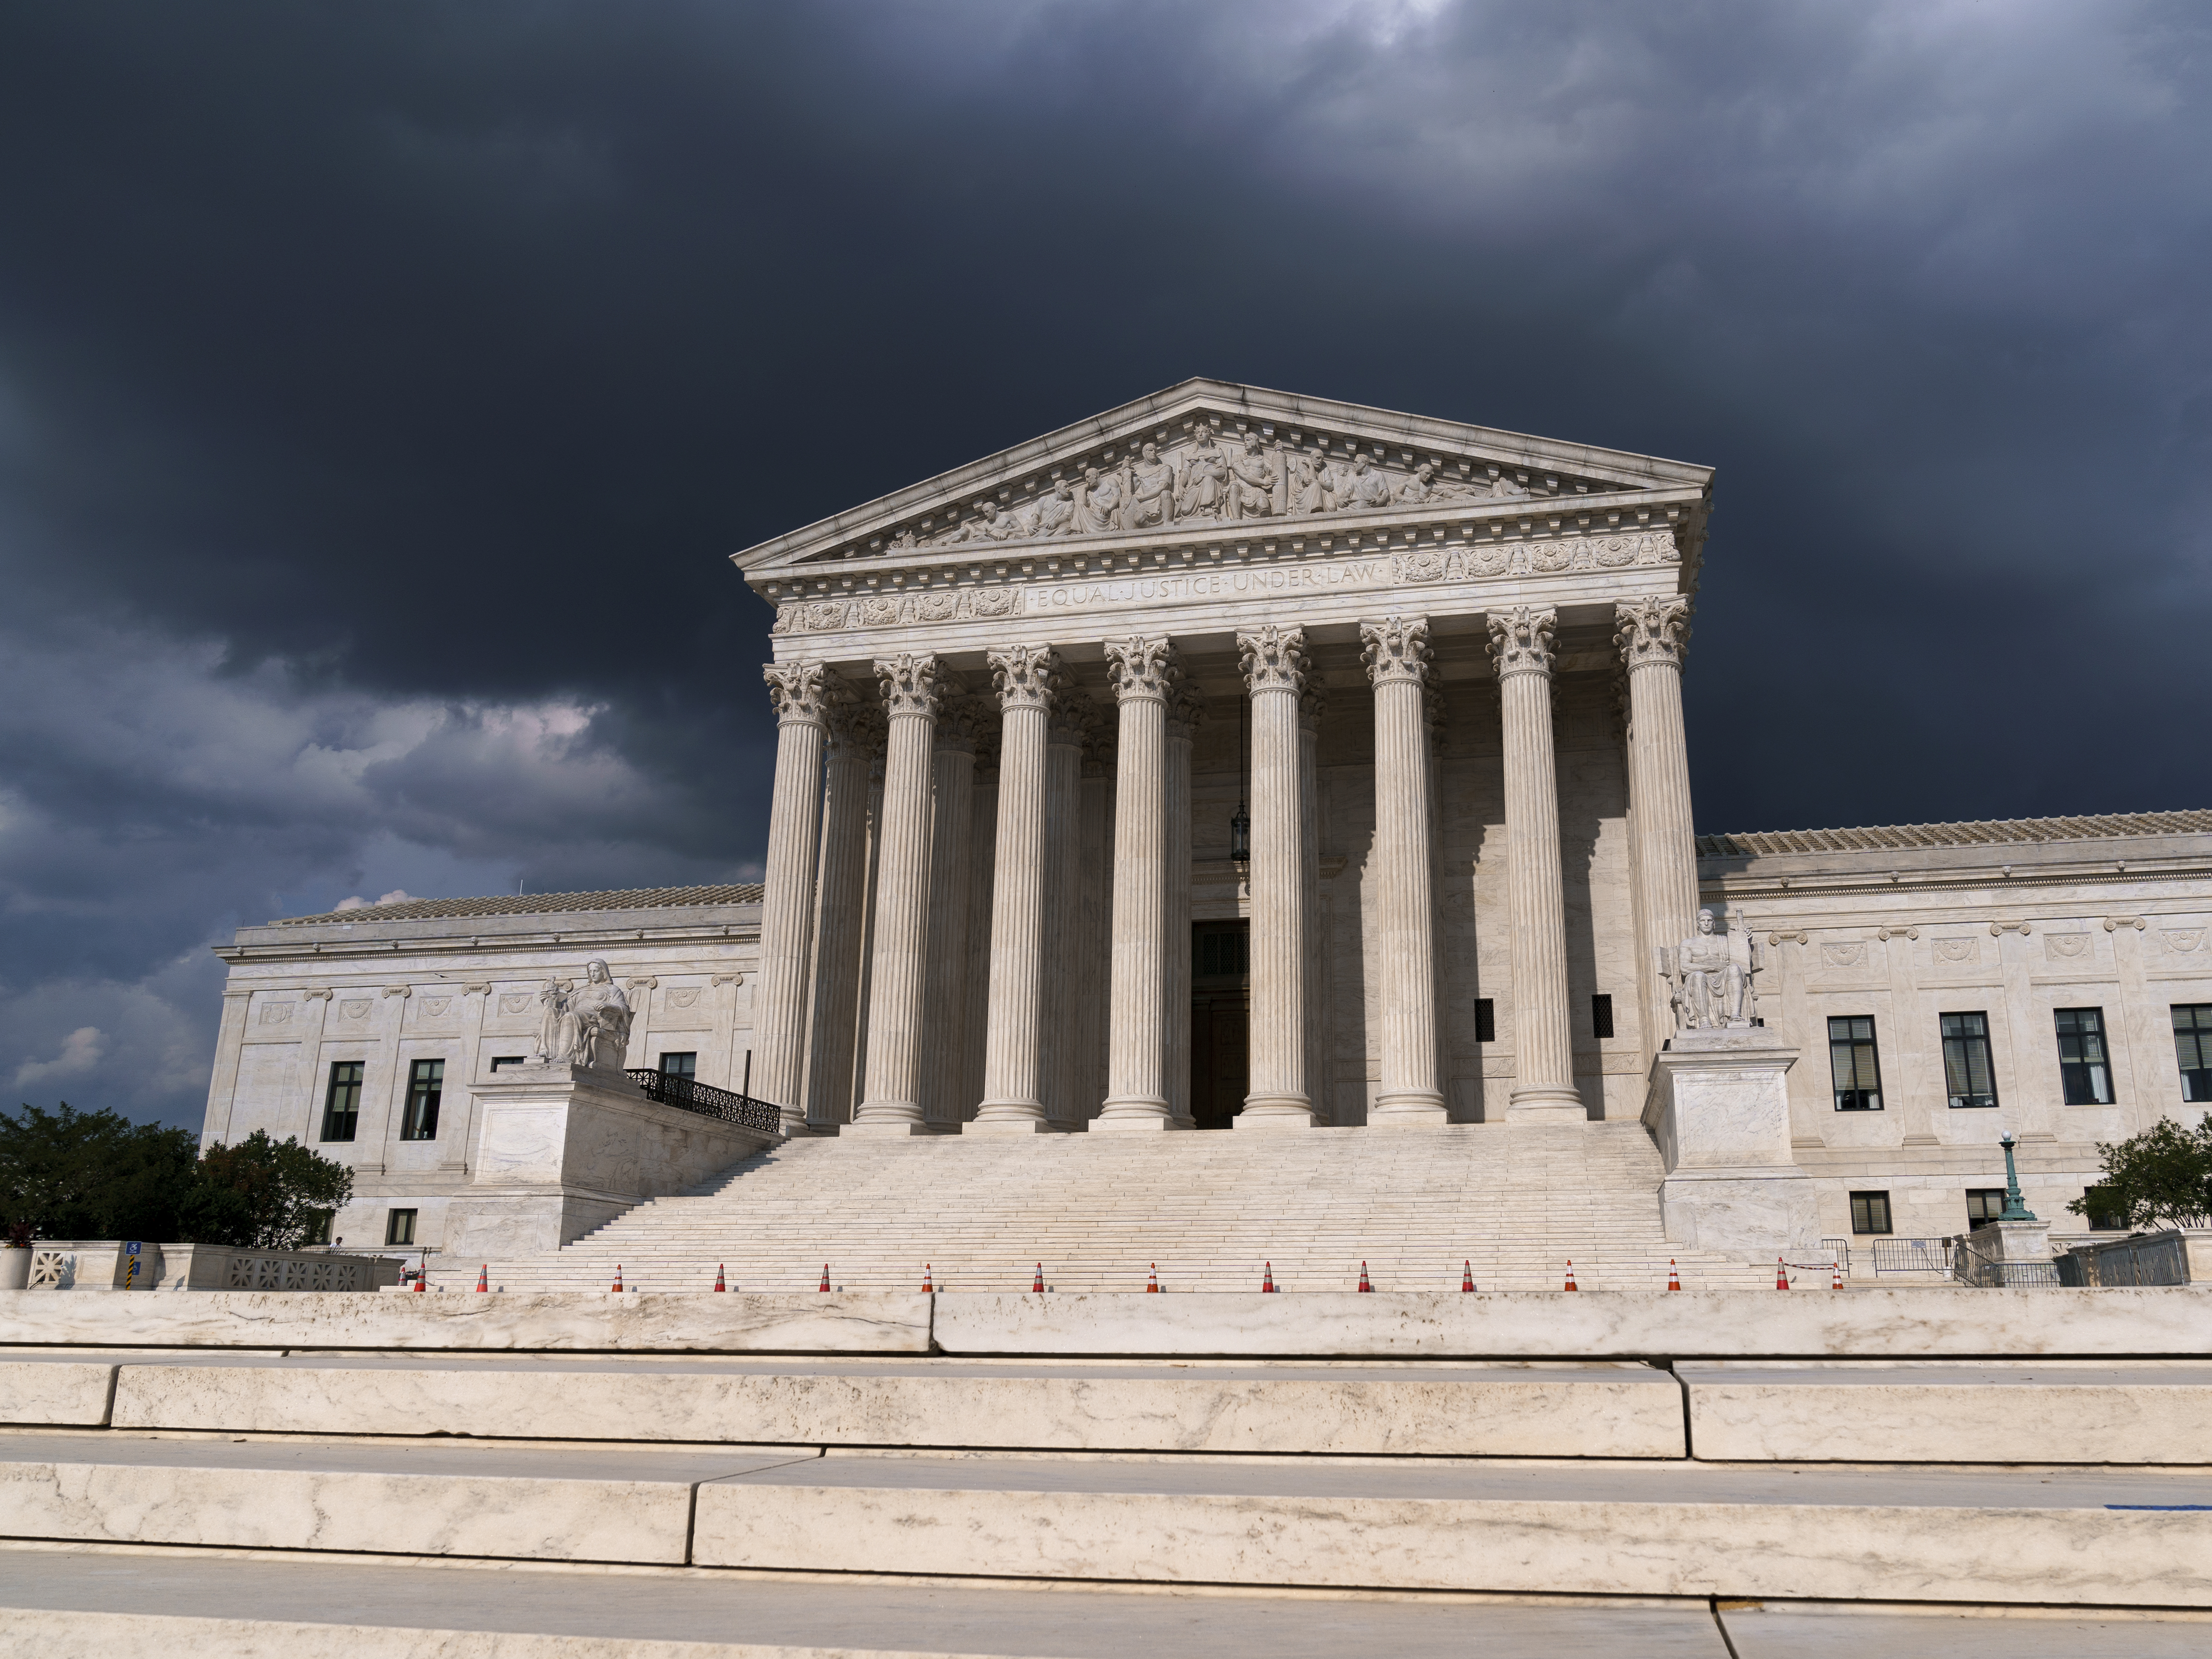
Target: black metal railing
1911, 1255
2127, 1263
692, 1095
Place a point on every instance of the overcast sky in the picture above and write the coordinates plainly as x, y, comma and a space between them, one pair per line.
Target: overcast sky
382, 389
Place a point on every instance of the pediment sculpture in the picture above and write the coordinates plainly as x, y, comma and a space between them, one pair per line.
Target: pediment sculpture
586, 1024
1209, 478
1711, 976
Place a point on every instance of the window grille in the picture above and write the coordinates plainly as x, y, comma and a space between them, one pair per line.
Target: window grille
1870, 1213
1601, 1015
1854, 1066
1968, 1076
2085, 1071
341, 1100
1485, 1020
2192, 1047
426, 1085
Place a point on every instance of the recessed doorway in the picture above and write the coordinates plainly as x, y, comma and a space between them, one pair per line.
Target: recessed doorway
1220, 1020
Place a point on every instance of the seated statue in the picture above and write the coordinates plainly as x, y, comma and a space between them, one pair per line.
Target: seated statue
587, 1025
1711, 976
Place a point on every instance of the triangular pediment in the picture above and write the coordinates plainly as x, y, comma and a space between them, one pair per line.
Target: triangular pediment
1209, 453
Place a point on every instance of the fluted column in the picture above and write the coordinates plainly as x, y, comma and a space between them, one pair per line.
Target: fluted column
1145, 676
1095, 870
952, 814
1652, 634
1013, 1102
1313, 703
1063, 845
1185, 715
891, 1102
779, 1007
1275, 668
1397, 656
1543, 1063
856, 733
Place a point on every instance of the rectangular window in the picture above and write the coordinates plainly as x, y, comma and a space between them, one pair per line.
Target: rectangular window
341, 1100
1983, 1204
2084, 1070
2105, 1214
1485, 1020
426, 1082
400, 1227
1854, 1065
679, 1065
1221, 952
318, 1226
2192, 1046
500, 1062
1870, 1212
1600, 1016
1967, 1076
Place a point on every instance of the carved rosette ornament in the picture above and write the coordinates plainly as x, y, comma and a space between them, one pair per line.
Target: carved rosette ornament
799, 691
910, 683
1520, 641
1141, 667
1027, 676
1396, 649
1652, 632
1274, 659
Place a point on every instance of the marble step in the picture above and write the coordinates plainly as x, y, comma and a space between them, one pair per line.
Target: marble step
64, 1603
2024, 1536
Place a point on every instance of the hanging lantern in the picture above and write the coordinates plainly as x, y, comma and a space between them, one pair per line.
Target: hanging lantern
1240, 835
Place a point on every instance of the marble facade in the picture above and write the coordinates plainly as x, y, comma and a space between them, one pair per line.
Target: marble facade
1439, 668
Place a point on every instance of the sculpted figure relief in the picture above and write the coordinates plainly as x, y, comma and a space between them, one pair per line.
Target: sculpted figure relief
1208, 477
1711, 974
587, 1024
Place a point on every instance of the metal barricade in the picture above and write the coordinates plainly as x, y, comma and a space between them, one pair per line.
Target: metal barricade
2146, 1259
1911, 1255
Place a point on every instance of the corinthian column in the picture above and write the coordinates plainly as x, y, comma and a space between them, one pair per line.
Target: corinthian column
1145, 676
892, 1103
952, 814
1062, 953
788, 898
1397, 655
1013, 1102
1184, 717
1275, 669
855, 730
1543, 1065
1652, 633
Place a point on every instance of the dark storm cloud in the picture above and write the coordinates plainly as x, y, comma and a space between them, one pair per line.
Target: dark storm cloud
382, 389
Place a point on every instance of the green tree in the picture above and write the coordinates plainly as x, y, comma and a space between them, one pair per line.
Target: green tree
264, 1193
94, 1175
2162, 1176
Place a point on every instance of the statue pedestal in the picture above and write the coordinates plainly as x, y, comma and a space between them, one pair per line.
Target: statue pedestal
562, 1149
1718, 1108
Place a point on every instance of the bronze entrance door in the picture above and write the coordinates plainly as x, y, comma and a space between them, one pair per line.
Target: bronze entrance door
1220, 1020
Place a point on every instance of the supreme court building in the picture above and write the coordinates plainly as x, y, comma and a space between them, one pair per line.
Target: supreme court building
1236, 760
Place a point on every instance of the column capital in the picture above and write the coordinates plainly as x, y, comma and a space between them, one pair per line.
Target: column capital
798, 690
962, 719
1273, 658
1186, 711
1395, 650
1652, 632
912, 683
1520, 641
854, 722
1026, 676
1313, 702
1141, 667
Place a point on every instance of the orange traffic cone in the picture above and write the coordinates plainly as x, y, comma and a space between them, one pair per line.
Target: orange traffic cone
1268, 1277
928, 1286
1152, 1278
1781, 1279
618, 1275
1037, 1284
422, 1281
1466, 1275
1363, 1284
484, 1277
1835, 1275
1571, 1276
1673, 1275
718, 1284
825, 1277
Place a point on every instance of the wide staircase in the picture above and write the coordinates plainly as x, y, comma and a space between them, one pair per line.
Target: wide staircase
1209, 1212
